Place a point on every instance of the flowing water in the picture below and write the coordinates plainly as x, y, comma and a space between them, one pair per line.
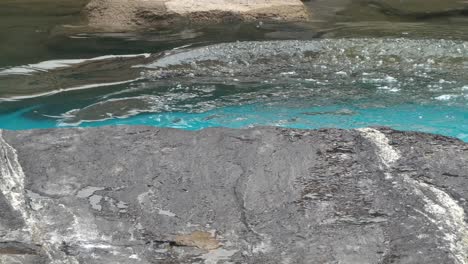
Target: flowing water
354, 65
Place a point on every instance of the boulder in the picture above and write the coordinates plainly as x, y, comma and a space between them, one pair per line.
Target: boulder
260, 195
123, 15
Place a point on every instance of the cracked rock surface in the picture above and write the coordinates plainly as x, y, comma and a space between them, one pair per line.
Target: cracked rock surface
260, 195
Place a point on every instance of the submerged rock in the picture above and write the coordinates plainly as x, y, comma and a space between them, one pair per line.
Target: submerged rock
118, 15
402, 10
261, 195
422, 6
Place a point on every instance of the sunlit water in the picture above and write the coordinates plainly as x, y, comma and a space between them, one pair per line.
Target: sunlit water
409, 75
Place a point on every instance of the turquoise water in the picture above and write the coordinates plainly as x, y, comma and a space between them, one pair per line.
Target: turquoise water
445, 120
360, 68
345, 84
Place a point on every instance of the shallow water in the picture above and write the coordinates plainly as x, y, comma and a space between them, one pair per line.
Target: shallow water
359, 68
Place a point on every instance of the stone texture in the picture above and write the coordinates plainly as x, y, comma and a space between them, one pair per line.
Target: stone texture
123, 15
260, 195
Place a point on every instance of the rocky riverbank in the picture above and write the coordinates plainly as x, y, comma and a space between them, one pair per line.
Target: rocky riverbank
124, 15
260, 195
118, 15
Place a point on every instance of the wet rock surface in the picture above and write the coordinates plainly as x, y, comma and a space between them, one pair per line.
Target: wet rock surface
428, 7
260, 195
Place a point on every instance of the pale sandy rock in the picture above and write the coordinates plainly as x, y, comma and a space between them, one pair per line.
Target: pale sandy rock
117, 15
199, 239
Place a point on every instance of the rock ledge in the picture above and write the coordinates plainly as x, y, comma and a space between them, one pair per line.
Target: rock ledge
261, 195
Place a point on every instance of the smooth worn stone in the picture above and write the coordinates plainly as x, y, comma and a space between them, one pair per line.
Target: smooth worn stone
259, 195
124, 15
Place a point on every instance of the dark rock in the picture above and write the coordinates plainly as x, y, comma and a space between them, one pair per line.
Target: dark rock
261, 195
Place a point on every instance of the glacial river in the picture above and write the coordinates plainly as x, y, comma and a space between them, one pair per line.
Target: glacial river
348, 71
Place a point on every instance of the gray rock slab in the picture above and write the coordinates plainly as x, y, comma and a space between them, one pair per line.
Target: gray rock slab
260, 195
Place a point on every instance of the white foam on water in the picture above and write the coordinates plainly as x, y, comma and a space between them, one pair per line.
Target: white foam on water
446, 97
57, 64
82, 87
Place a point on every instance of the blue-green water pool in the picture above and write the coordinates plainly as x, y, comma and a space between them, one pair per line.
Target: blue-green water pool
444, 120
417, 85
